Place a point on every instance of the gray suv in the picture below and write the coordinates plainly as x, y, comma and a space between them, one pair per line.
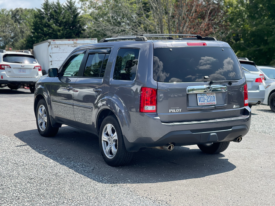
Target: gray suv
149, 91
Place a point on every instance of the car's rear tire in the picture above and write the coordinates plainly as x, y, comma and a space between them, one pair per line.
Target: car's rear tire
214, 148
43, 120
111, 143
13, 86
272, 102
32, 88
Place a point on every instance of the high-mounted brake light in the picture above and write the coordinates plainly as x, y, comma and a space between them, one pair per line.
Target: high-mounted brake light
259, 80
196, 44
4, 66
148, 100
245, 92
38, 67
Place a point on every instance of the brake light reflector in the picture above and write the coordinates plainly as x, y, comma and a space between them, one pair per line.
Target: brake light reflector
39, 68
259, 80
196, 44
4, 66
148, 100
245, 92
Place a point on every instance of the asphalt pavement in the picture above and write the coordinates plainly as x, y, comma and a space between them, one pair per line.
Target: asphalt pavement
69, 170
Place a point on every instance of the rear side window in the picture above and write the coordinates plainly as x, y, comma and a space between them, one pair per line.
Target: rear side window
250, 67
126, 64
21, 59
96, 65
192, 64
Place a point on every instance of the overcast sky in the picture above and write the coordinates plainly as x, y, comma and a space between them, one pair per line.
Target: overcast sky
12, 4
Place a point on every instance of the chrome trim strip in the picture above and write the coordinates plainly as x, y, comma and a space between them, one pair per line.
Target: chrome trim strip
225, 130
208, 121
206, 89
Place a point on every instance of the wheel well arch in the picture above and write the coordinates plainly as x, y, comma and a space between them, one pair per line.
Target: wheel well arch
101, 116
37, 99
273, 91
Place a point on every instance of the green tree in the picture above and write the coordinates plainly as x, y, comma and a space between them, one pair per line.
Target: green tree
252, 30
56, 21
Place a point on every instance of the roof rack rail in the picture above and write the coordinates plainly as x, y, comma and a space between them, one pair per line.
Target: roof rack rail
144, 37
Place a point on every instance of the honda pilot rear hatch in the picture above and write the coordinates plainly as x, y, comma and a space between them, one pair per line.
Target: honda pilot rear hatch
197, 82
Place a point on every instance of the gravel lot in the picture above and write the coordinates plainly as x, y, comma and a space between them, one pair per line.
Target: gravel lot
69, 170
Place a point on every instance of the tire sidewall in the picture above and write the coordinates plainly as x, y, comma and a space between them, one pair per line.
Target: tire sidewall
111, 120
271, 99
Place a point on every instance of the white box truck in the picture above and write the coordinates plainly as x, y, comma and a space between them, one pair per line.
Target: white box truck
52, 53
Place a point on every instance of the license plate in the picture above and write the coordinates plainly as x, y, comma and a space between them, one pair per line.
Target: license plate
249, 85
22, 70
206, 99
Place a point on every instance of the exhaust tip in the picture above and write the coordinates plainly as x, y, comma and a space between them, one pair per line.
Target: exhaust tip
170, 147
238, 139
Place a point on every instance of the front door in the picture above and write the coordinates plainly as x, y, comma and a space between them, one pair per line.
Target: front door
62, 90
89, 87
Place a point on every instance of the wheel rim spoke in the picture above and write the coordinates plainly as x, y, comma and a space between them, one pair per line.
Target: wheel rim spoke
42, 118
109, 140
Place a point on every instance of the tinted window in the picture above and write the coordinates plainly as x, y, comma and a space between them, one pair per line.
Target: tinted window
250, 67
191, 64
269, 72
72, 66
126, 64
94, 65
22, 59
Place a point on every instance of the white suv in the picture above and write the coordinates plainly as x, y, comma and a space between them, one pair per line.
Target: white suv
19, 69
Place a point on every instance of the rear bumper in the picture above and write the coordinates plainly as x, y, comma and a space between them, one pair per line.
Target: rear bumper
151, 132
256, 96
6, 80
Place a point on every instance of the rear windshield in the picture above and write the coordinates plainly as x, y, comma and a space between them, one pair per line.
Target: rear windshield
22, 59
250, 67
269, 72
192, 64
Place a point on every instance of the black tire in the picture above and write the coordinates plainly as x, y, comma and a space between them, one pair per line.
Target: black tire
214, 148
13, 86
32, 89
122, 156
49, 130
272, 102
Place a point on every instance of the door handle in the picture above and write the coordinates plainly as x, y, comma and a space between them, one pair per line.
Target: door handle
97, 90
69, 88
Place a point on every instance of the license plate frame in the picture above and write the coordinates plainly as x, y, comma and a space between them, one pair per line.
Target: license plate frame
22, 71
206, 99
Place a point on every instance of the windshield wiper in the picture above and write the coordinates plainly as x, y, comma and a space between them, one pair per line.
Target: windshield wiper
222, 81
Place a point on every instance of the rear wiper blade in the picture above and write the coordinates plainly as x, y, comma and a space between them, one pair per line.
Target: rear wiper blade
222, 81
18, 62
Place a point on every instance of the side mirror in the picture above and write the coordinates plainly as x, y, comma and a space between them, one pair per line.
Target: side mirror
53, 72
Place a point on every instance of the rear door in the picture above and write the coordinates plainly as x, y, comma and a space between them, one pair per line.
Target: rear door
197, 83
89, 86
21, 66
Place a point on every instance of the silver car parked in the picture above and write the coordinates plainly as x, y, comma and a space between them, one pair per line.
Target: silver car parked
255, 82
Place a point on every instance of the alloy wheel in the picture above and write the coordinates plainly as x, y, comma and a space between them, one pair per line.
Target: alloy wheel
109, 141
42, 118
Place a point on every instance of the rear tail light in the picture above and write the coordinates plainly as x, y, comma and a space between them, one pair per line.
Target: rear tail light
4, 66
245, 92
196, 44
39, 68
262, 76
259, 80
148, 100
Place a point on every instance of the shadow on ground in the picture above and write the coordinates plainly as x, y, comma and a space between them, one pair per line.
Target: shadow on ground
265, 110
79, 151
6, 90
